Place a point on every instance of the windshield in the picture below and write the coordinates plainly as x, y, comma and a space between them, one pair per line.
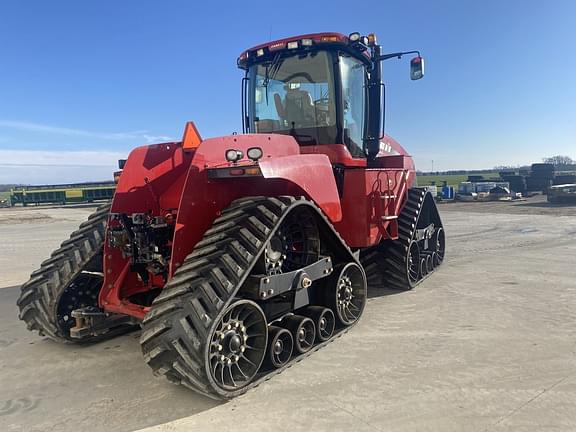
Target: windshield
295, 96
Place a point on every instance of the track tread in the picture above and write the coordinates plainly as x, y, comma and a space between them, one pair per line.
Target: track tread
201, 299
385, 264
39, 296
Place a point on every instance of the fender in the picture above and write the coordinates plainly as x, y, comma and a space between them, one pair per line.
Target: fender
284, 172
313, 174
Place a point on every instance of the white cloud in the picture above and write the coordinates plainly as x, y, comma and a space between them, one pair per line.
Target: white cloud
58, 158
56, 130
43, 167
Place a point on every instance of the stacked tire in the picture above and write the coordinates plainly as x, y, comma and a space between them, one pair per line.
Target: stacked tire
541, 177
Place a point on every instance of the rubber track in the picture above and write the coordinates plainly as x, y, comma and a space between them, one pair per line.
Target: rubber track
39, 297
180, 321
386, 266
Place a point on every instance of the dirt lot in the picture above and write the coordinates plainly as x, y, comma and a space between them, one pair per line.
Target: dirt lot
536, 205
487, 344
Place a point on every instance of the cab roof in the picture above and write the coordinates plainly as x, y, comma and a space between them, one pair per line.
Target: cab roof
301, 41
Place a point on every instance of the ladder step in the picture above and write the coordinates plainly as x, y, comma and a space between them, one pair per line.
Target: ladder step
386, 218
388, 196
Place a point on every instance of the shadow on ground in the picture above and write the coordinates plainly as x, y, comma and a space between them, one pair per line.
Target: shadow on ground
98, 387
377, 291
103, 386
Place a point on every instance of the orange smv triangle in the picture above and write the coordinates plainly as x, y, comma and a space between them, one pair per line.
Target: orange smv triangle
191, 139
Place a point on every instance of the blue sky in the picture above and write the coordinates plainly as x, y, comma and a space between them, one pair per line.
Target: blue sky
81, 83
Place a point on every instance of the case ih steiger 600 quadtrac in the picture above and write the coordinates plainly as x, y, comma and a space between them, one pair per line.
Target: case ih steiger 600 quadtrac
242, 254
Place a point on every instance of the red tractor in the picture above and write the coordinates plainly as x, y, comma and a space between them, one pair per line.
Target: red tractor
242, 254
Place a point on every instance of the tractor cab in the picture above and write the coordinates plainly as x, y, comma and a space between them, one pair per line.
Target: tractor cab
322, 89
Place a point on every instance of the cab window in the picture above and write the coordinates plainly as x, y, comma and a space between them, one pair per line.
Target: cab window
353, 76
295, 96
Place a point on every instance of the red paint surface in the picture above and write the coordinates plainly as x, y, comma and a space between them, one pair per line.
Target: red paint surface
163, 179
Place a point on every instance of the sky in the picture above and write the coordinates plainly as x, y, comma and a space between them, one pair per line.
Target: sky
84, 82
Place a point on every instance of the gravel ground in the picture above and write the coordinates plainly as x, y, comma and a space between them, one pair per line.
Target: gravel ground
536, 205
29, 234
486, 344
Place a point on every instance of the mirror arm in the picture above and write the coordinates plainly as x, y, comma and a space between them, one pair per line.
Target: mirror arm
396, 55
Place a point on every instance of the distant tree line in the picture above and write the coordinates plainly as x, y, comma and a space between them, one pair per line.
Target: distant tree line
458, 172
559, 160
7, 187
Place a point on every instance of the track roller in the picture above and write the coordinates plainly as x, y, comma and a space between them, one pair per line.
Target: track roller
280, 346
429, 263
323, 319
423, 266
303, 330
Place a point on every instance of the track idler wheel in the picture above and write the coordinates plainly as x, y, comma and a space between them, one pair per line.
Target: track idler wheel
280, 346
347, 295
237, 345
303, 331
440, 246
323, 319
413, 263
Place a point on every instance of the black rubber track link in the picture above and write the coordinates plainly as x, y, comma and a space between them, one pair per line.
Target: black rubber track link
41, 295
386, 264
178, 325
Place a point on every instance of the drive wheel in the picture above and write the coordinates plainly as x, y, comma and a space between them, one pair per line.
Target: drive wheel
237, 345
295, 244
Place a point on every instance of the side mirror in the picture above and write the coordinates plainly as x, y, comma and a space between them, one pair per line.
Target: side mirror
416, 68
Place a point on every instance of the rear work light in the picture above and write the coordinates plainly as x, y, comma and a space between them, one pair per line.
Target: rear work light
233, 155
260, 52
307, 42
254, 153
293, 45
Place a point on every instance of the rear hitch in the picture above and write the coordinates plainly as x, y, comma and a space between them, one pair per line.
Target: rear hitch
91, 321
